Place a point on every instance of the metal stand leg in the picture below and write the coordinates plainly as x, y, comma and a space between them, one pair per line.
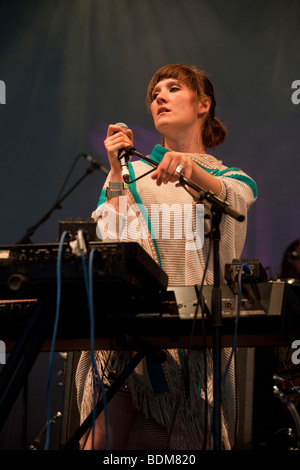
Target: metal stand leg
21, 360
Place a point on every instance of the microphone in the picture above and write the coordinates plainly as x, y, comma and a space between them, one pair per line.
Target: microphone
95, 163
123, 157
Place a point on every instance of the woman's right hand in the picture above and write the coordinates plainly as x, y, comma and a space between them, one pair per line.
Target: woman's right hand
117, 138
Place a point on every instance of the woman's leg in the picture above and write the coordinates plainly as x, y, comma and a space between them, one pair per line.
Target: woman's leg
121, 414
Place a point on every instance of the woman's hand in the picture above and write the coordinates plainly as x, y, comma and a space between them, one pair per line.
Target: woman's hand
172, 166
117, 138
176, 164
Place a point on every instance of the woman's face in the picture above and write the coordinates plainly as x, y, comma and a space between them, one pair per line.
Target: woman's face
174, 107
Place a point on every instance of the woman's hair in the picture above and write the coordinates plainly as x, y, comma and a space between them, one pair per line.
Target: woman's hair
213, 131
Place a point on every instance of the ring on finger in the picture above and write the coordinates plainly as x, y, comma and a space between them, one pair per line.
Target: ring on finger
180, 170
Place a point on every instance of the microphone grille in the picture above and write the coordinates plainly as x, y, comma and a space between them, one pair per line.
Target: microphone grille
121, 124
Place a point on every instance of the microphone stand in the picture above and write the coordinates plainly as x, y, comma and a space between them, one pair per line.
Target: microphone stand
218, 207
30, 231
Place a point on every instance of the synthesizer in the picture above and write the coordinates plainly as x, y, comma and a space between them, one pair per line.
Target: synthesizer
28, 270
130, 296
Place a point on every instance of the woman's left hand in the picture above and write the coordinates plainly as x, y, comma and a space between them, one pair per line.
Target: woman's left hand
172, 166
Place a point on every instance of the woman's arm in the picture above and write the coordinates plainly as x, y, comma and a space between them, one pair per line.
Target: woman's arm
117, 138
166, 171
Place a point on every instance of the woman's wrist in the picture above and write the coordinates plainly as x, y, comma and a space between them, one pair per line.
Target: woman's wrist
116, 175
117, 185
116, 189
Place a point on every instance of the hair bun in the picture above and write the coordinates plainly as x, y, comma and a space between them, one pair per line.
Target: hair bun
214, 133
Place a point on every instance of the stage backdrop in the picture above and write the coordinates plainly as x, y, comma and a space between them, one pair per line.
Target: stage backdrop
71, 67
68, 68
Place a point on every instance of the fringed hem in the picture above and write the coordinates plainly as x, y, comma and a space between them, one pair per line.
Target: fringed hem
182, 412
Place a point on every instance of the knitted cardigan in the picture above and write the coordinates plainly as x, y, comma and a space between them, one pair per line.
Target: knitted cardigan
156, 388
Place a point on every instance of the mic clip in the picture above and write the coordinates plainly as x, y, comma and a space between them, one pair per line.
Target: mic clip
126, 152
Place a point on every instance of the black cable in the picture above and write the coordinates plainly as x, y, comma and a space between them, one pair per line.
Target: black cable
142, 176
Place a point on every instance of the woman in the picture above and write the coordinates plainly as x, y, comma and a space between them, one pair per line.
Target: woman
182, 103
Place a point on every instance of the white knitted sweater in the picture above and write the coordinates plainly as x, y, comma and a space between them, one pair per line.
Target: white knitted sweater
184, 267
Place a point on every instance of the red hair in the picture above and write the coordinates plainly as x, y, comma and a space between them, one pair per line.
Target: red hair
213, 131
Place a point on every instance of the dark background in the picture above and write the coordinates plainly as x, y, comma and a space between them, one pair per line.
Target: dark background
71, 67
